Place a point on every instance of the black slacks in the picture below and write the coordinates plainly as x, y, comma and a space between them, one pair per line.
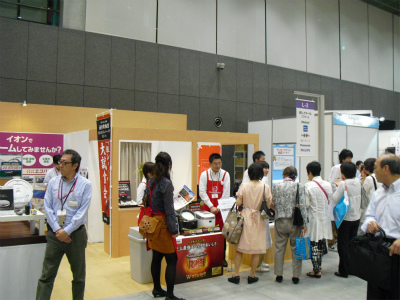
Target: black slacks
346, 231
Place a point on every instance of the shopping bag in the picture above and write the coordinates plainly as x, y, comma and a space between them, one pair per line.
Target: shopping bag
370, 260
233, 226
341, 209
303, 247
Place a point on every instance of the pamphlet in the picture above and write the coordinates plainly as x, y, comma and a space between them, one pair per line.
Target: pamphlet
184, 197
225, 206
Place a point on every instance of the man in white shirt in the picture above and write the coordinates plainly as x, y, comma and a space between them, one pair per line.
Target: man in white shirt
370, 185
53, 172
215, 184
334, 178
384, 211
257, 156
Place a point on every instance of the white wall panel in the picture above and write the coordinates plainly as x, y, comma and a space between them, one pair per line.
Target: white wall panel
241, 29
380, 48
188, 24
354, 41
135, 19
322, 28
396, 27
286, 34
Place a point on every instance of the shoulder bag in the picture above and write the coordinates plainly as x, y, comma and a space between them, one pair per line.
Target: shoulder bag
326, 195
233, 226
264, 210
341, 209
297, 217
147, 224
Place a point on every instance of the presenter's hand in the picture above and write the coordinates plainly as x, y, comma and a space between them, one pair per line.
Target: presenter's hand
63, 236
214, 210
395, 248
373, 227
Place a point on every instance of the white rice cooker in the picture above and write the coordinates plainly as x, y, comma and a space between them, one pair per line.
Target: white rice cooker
205, 219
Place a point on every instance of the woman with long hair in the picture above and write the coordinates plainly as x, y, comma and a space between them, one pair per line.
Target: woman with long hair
284, 196
160, 199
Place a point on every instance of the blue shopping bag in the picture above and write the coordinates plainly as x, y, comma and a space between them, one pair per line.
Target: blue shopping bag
303, 247
341, 209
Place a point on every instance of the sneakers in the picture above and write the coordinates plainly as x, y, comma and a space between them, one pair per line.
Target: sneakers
262, 269
263, 264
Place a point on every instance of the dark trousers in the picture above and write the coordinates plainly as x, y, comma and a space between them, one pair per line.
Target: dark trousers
55, 251
170, 271
317, 250
346, 231
374, 292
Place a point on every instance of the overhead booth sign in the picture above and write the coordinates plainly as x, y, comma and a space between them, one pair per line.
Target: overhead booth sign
104, 147
305, 124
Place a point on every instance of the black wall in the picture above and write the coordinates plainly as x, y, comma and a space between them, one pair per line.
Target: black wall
49, 65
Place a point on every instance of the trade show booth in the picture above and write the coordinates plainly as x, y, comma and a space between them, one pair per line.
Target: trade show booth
342, 131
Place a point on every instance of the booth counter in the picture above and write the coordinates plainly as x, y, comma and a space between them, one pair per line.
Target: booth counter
21, 256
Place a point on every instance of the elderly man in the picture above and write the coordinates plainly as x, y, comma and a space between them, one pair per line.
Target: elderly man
384, 211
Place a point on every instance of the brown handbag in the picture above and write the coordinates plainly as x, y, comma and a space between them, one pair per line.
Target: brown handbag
147, 225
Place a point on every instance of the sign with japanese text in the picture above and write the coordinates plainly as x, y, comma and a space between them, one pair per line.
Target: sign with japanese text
284, 155
199, 257
104, 147
37, 149
305, 125
355, 120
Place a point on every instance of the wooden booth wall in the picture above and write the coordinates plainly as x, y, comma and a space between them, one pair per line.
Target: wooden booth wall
122, 219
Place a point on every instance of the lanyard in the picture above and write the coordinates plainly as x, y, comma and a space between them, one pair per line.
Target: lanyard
66, 196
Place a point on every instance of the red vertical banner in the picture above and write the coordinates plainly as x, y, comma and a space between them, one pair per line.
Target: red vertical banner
104, 147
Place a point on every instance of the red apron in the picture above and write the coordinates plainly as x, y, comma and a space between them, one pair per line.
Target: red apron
149, 212
215, 188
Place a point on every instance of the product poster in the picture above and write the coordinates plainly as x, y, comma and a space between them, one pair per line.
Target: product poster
124, 189
10, 165
305, 124
37, 149
284, 155
104, 144
199, 257
204, 152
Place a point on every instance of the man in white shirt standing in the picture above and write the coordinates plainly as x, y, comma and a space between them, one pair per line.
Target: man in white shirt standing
370, 185
53, 172
215, 184
384, 211
334, 178
257, 156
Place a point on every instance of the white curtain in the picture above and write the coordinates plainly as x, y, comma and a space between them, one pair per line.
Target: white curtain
131, 156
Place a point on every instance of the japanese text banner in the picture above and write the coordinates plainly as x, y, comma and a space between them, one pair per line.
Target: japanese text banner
37, 149
104, 147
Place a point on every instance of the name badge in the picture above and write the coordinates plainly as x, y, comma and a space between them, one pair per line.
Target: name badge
61, 216
73, 203
214, 196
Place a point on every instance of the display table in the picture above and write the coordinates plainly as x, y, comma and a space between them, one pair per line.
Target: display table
31, 218
269, 257
199, 257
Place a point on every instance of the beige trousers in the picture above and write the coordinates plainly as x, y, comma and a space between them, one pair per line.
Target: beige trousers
284, 229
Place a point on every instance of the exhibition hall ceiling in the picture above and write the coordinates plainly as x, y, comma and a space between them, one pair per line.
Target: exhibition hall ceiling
392, 6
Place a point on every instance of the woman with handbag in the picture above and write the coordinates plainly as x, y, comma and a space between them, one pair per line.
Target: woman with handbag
349, 226
252, 241
159, 202
319, 226
286, 196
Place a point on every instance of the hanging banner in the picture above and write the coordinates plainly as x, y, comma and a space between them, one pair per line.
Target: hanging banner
104, 144
305, 124
355, 120
37, 150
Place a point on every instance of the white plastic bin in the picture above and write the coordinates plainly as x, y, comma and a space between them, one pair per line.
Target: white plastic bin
140, 257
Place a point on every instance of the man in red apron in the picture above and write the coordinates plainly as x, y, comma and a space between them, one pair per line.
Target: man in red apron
215, 184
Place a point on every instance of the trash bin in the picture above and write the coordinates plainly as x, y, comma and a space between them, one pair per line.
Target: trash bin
140, 257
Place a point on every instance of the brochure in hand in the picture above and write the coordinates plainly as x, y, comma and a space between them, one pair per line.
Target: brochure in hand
184, 197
